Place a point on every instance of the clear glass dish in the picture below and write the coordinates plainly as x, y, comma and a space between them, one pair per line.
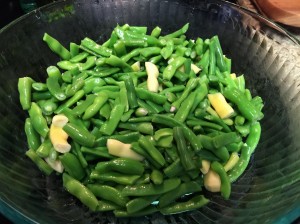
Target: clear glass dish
265, 53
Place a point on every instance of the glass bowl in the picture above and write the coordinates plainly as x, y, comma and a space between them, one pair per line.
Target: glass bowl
265, 53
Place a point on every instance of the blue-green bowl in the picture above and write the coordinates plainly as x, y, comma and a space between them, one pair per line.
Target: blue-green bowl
265, 53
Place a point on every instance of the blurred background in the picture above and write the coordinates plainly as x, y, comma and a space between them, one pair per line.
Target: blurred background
284, 12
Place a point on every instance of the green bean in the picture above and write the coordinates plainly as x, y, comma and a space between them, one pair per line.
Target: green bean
183, 153
71, 101
114, 177
24, 88
79, 134
72, 165
225, 183
91, 110
151, 189
39, 123
56, 47
41, 164
170, 70
196, 202
55, 89
179, 32
39, 86
93, 46
33, 138
156, 31
101, 152
81, 192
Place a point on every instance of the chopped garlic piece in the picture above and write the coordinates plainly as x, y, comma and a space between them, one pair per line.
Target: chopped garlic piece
233, 76
205, 166
212, 181
195, 68
234, 158
218, 101
121, 149
152, 72
56, 165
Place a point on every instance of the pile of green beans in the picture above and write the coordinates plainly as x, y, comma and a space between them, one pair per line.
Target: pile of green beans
174, 129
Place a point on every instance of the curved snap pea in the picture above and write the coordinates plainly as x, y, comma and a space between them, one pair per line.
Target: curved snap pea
192, 139
151, 189
79, 134
74, 87
148, 146
184, 188
90, 84
74, 49
33, 137
142, 127
147, 95
170, 70
55, 89
104, 206
247, 109
79, 57
93, 46
157, 177
138, 204
97, 152
41, 164
72, 165
108, 193
45, 148
219, 54
56, 47
114, 177
71, 101
39, 123
185, 107
246, 152
179, 32
53, 71
226, 138
24, 88
115, 116
81, 192
191, 84
81, 108
155, 32
121, 165
183, 153
225, 183
196, 202
94, 108
39, 86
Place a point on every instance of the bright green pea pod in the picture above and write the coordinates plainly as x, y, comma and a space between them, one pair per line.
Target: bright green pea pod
93, 46
151, 189
74, 49
156, 31
81, 192
138, 204
39, 86
179, 32
39, 123
121, 165
72, 165
196, 202
157, 177
41, 164
104, 206
79, 57
94, 108
33, 137
71, 101
172, 67
225, 182
55, 88
45, 148
108, 193
56, 47
79, 134
24, 88
114, 177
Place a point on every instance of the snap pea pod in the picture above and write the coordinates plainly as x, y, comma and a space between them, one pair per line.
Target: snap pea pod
148, 146
98, 152
121, 165
94, 108
81, 108
39, 123
156, 176
72, 165
81, 192
93, 46
115, 116
41, 164
140, 203
55, 89
246, 152
126, 138
196, 202
131, 94
179, 32
170, 70
33, 138
151, 189
114, 177
24, 88
185, 108
184, 188
71, 101
73, 88
38, 86
183, 153
142, 127
108, 193
56, 47
79, 134
147, 95
45, 148
245, 106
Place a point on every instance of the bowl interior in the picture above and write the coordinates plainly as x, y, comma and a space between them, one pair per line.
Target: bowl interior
258, 49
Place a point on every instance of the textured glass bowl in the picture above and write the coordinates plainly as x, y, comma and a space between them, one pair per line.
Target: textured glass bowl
266, 54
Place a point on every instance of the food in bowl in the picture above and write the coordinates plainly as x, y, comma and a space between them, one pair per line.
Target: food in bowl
142, 123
